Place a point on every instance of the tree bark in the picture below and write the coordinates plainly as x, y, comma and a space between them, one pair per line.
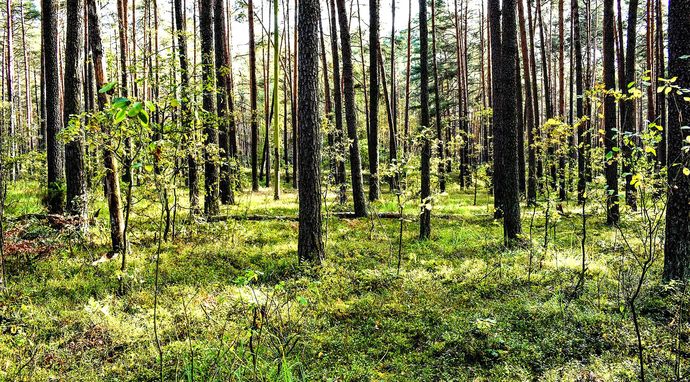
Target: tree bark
677, 244
73, 98
340, 134
582, 127
252, 98
53, 112
424, 124
629, 106
310, 245
510, 180
611, 165
112, 179
350, 113
224, 89
437, 104
373, 136
211, 172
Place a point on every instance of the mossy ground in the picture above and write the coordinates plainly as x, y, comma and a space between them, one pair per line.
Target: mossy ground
235, 305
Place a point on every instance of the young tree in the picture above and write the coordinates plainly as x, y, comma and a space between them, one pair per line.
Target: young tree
310, 244
611, 166
677, 245
73, 107
350, 114
211, 206
53, 113
424, 123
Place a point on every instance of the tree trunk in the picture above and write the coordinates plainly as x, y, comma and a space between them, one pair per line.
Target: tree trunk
276, 130
193, 177
529, 109
508, 89
407, 81
611, 165
9, 77
340, 134
373, 136
662, 118
350, 113
53, 112
74, 149
424, 124
310, 245
252, 98
562, 190
582, 134
498, 76
437, 103
211, 173
677, 244
225, 118
112, 179
629, 108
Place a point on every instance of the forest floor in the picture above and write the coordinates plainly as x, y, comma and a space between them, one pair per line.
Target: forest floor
235, 305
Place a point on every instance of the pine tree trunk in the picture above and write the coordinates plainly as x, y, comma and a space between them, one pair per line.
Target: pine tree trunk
373, 136
74, 149
112, 179
629, 108
310, 245
340, 133
406, 128
498, 75
582, 135
223, 99
611, 165
424, 124
211, 172
677, 244
350, 112
529, 109
53, 112
508, 89
437, 104
252, 98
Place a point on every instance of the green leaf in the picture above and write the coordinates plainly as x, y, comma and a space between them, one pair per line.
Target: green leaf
686, 171
107, 87
144, 117
151, 106
120, 102
120, 116
135, 109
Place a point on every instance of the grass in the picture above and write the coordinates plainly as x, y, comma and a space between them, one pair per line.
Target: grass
235, 305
